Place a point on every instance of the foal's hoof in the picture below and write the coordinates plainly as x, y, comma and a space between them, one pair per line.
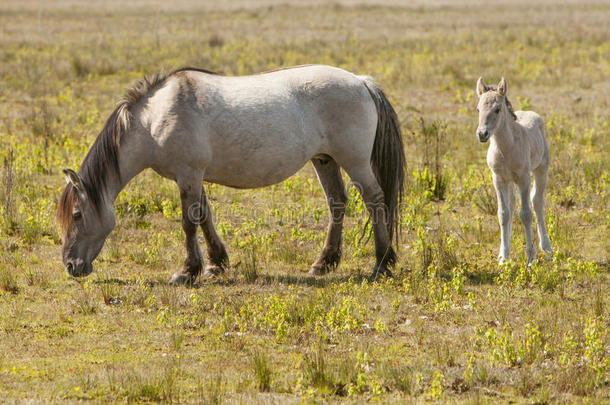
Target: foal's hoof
212, 271
181, 278
317, 270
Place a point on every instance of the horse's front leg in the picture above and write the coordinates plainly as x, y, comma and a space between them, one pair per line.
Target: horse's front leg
190, 196
526, 216
217, 253
329, 175
505, 213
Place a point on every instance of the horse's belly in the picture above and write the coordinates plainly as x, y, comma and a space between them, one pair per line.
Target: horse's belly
252, 173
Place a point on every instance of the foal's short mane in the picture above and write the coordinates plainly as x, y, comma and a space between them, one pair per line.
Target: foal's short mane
493, 87
102, 160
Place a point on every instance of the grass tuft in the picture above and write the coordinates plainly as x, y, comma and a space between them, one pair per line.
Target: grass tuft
8, 281
262, 372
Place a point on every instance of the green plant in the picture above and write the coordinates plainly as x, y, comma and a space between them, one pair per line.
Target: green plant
315, 371
262, 371
431, 179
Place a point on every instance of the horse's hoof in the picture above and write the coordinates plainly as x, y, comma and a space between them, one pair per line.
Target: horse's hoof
380, 273
182, 279
317, 270
212, 271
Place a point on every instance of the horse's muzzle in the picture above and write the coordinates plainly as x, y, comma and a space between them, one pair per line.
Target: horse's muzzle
483, 136
78, 268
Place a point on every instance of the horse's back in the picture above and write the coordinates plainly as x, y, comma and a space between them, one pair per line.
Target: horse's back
249, 131
533, 126
529, 119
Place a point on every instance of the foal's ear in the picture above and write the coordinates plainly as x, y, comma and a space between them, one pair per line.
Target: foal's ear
502, 87
481, 87
72, 178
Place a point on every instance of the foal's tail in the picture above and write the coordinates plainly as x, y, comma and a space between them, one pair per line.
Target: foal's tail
388, 156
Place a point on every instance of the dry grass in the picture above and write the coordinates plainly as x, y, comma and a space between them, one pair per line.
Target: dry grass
451, 326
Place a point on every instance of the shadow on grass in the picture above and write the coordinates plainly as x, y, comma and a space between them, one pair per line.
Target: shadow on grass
310, 281
262, 280
477, 276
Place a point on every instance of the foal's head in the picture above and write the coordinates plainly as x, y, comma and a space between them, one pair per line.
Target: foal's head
493, 107
87, 220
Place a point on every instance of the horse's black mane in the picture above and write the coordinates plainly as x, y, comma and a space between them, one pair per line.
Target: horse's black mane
102, 160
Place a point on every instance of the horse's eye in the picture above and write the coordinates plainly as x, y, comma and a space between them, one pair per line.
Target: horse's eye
77, 215
497, 110
477, 109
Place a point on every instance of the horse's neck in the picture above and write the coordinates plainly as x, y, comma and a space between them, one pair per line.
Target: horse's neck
129, 165
504, 134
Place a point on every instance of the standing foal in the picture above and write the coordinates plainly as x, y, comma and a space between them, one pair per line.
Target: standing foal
517, 148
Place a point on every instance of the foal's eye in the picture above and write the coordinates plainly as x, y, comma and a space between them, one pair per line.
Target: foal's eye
77, 215
497, 110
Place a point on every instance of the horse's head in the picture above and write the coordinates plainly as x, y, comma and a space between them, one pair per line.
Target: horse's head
87, 219
492, 102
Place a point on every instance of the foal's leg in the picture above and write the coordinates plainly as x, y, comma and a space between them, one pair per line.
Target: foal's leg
217, 253
512, 204
329, 175
540, 178
505, 195
190, 194
371, 192
526, 216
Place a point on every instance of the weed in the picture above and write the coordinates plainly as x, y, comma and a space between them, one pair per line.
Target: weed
431, 180
436, 385
8, 214
109, 291
249, 266
177, 338
212, 391
8, 281
398, 377
484, 199
262, 372
315, 371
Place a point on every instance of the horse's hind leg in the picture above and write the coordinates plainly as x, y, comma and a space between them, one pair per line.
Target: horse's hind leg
190, 194
329, 175
372, 194
217, 253
540, 179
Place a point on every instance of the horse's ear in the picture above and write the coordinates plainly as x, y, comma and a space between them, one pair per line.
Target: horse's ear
72, 178
502, 87
481, 87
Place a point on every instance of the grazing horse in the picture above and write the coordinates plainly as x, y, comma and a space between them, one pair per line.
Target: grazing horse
518, 147
192, 125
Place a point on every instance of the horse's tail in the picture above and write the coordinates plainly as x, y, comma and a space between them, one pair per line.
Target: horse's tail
388, 156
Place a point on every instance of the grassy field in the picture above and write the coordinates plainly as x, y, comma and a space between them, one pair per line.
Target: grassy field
451, 326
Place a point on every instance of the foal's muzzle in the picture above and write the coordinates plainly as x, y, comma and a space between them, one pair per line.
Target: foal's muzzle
483, 136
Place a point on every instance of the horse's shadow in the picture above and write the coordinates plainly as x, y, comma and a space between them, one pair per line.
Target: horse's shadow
232, 279
303, 280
